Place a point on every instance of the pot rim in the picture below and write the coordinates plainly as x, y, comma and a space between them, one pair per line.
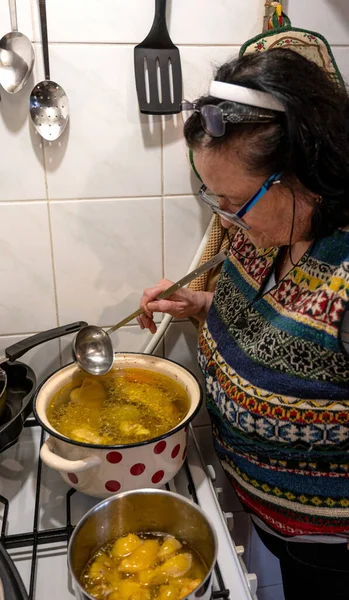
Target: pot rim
106, 501
167, 434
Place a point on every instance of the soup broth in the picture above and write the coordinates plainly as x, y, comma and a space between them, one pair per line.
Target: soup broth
143, 567
124, 406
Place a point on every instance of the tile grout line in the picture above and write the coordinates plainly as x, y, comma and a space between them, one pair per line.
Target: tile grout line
47, 198
135, 325
162, 213
99, 199
52, 252
132, 44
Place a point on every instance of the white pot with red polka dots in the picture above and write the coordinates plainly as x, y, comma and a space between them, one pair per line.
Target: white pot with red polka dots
101, 471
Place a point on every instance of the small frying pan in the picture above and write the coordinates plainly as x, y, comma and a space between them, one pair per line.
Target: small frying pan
17, 350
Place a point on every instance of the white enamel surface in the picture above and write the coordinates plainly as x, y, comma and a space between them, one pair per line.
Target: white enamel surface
146, 462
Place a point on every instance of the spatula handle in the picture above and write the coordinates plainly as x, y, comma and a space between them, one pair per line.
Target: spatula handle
210, 264
159, 32
160, 10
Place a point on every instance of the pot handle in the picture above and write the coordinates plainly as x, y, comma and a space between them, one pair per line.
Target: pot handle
63, 464
17, 350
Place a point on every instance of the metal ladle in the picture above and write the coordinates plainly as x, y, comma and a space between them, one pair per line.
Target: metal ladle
49, 106
92, 347
16, 56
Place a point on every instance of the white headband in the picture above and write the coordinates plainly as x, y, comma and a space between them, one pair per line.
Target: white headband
243, 95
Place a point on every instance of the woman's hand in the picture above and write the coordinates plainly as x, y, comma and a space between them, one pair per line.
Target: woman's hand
182, 304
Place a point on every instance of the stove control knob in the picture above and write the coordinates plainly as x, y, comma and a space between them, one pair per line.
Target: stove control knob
211, 472
229, 519
252, 582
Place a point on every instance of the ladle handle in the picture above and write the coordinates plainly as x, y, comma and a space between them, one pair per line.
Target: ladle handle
13, 15
44, 38
210, 264
17, 350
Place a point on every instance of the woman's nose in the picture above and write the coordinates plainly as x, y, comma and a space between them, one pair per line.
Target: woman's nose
224, 203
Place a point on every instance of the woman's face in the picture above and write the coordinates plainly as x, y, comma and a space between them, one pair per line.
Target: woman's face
270, 219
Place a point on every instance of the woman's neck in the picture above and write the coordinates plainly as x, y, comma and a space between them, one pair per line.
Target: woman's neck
289, 256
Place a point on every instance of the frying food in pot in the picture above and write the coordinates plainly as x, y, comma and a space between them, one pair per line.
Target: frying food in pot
143, 567
124, 406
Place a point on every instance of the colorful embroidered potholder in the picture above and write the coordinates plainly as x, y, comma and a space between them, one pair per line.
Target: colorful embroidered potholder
308, 43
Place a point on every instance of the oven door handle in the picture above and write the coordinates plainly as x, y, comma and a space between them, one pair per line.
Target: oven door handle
56, 462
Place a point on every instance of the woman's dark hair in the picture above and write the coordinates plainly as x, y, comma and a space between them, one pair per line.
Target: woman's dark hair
310, 140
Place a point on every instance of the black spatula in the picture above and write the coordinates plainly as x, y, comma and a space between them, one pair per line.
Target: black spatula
158, 69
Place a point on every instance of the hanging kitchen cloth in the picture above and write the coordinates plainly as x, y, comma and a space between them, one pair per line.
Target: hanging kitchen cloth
311, 45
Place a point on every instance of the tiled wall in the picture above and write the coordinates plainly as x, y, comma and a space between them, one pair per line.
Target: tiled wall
88, 221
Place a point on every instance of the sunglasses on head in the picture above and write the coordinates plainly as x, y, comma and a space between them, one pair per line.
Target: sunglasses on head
214, 117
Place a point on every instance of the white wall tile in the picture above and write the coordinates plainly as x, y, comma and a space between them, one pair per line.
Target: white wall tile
189, 21
328, 17
26, 295
44, 359
22, 174
185, 222
341, 56
106, 252
108, 149
198, 65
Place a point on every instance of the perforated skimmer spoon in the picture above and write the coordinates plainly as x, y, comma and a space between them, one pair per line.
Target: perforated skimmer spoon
92, 347
49, 106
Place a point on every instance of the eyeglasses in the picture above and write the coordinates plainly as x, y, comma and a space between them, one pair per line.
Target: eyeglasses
237, 217
214, 118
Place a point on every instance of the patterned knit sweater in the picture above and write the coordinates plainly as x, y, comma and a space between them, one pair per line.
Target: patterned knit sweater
278, 385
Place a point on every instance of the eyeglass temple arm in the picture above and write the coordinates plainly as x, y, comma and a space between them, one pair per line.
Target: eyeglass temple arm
264, 189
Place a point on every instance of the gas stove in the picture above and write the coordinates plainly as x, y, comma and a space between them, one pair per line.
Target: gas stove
40, 512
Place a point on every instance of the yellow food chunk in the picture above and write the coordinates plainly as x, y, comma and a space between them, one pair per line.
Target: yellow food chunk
169, 548
100, 566
168, 592
98, 592
141, 558
177, 566
125, 545
113, 596
113, 577
126, 588
141, 594
189, 587
91, 393
84, 434
123, 412
146, 576
129, 428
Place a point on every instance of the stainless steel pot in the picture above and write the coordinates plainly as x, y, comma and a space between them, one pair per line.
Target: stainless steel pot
144, 511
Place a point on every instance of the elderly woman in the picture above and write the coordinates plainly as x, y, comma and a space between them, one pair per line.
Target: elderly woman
272, 148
